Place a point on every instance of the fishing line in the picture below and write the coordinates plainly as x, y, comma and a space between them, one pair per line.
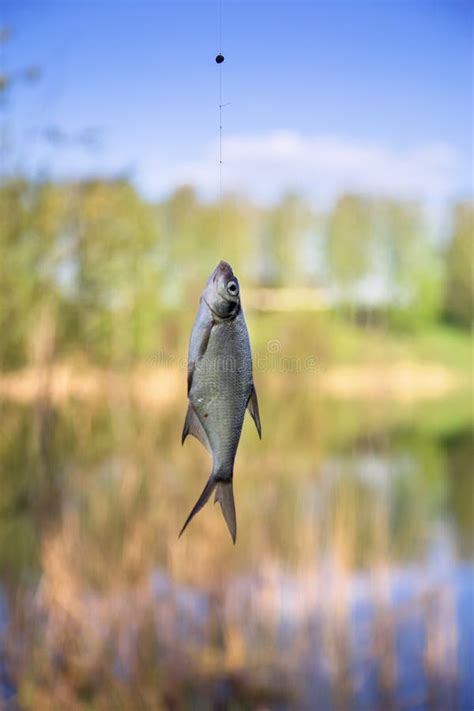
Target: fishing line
220, 134
220, 62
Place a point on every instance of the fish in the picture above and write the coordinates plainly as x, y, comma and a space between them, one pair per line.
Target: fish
220, 387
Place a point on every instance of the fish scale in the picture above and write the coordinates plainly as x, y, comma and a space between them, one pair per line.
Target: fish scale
220, 396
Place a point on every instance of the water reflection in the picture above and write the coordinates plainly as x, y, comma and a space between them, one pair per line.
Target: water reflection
350, 586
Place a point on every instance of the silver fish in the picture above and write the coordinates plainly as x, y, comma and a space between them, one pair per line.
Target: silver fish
220, 386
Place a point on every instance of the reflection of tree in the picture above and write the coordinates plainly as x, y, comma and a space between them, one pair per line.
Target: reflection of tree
418, 493
91, 499
459, 450
31, 466
41, 449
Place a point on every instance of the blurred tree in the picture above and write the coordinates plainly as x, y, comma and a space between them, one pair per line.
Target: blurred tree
282, 243
92, 267
28, 255
412, 266
182, 245
195, 236
116, 272
348, 246
459, 292
226, 231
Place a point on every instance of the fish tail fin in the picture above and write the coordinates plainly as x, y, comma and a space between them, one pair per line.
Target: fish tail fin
203, 499
225, 496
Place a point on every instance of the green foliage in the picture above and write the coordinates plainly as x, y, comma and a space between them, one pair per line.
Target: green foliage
459, 295
348, 244
92, 268
412, 265
284, 229
30, 219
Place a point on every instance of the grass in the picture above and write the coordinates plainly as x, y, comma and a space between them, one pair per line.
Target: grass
438, 344
336, 341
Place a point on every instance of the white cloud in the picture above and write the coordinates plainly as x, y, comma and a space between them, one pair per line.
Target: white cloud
321, 167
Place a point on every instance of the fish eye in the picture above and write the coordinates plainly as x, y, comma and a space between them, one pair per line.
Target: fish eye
232, 288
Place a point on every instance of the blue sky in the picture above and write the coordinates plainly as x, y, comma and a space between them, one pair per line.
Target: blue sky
374, 96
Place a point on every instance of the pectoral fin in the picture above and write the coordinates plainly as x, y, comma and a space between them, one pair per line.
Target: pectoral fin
193, 427
252, 406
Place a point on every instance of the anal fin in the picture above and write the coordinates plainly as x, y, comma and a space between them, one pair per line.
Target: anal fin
193, 427
252, 406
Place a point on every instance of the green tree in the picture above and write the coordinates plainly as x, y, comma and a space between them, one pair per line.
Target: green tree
282, 241
348, 245
459, 291
411, 264
29, 254
117, 269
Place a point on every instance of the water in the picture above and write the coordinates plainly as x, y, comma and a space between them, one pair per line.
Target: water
351, 585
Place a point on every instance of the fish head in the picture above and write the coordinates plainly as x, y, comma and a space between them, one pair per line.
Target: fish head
222, 293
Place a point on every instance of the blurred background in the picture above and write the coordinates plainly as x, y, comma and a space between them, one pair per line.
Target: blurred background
346, 213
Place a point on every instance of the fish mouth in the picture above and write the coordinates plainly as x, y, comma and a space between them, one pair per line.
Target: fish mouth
223, 268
